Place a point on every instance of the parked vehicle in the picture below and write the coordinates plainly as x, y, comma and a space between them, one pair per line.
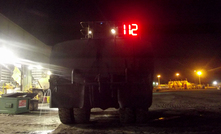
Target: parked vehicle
105, 69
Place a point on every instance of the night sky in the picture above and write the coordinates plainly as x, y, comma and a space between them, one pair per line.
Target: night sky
185, 34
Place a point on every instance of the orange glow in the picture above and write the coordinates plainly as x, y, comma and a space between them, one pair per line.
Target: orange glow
199, 73
161, 118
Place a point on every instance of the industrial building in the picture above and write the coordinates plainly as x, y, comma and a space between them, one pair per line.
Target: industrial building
23, 59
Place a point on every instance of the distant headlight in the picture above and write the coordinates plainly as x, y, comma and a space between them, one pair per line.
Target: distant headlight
113, 31
89, 32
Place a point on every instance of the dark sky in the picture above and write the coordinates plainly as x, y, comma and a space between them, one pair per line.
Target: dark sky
185, 34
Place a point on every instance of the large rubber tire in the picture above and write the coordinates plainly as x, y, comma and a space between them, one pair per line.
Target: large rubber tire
81, 115
142, 115
66, 115
127, 115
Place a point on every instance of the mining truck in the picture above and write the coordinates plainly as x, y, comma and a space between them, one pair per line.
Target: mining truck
110, 67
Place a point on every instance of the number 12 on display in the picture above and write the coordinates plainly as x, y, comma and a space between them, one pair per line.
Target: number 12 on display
130, 29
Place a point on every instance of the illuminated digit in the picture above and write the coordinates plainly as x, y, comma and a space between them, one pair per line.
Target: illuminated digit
125, 32
134, 30
130, 31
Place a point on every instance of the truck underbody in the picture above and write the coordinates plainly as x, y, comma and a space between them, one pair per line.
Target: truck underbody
101, 73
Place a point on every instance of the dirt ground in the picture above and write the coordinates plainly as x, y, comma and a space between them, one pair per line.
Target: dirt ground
43, 119
186, 112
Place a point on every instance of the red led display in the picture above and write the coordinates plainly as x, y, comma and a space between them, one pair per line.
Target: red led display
130, 29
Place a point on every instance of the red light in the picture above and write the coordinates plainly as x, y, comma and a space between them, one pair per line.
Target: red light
130, 29
134, 30
125, 30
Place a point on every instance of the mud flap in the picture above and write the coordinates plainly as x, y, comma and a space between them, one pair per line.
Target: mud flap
67, 96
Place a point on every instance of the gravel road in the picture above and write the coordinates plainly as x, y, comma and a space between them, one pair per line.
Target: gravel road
173, 112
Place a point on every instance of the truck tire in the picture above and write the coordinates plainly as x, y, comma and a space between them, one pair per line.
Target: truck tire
66, 115
127, 115
81, 115
141, 115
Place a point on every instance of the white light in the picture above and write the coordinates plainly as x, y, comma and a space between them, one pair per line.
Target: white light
49, 73
30, 67
6, 56
35, 67
17, 65
39, 67
113, 31
89, 32
215, 83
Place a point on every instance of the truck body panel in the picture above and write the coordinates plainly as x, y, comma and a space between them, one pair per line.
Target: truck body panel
110, 72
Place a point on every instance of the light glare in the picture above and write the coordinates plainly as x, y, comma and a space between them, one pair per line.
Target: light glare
39, 67
113, 31
49, 73
199, 73
30, 67
215, 83
6, 56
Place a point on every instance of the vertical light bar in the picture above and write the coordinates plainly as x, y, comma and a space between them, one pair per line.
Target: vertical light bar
130, 30
125, 32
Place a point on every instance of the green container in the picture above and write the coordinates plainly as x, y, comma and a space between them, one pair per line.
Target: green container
14, 105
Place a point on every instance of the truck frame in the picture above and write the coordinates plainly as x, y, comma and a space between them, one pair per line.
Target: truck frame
101, 72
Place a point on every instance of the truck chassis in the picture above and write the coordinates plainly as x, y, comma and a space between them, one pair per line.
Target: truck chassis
102, 73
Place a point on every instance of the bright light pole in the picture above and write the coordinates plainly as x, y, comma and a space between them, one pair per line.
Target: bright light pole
158, 76
199, 73
177, 74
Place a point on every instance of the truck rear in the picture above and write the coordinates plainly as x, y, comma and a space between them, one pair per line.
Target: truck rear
107, 68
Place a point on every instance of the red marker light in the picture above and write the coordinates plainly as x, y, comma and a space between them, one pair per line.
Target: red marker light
130, 29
